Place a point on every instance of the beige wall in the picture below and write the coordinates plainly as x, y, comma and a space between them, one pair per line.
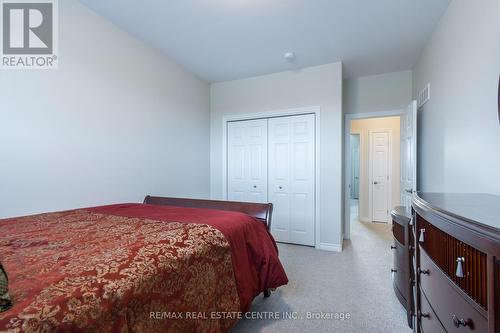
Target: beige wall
116, 121
459, 130
363, 127
375, 93
313, 86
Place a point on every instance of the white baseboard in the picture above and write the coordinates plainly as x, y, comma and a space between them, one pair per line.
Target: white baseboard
329, 247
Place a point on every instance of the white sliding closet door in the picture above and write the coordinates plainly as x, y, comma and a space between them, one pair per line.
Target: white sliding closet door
247, 161
292, 178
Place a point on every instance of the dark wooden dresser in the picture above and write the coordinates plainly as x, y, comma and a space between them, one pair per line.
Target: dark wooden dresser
457, 285
403, 269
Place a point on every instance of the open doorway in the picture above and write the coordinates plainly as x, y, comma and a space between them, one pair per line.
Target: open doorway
380, 141
372, 167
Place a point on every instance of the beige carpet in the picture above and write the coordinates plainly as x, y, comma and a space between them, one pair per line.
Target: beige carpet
356, 282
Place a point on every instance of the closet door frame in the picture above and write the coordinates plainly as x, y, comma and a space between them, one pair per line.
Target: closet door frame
316, 110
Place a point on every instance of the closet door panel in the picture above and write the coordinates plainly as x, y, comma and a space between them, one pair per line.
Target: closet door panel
302, 187
274, 161
247, 161
279, 174
237, 182
256, 138
291, 178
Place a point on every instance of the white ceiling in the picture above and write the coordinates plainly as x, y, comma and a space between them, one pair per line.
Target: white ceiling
222, 40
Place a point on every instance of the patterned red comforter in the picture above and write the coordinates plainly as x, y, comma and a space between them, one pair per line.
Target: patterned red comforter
135, 268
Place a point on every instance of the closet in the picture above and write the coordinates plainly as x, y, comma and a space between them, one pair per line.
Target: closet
273, 160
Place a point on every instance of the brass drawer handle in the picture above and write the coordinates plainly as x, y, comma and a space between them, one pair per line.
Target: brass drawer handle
460, 322
421, 238
460, 270
423, 271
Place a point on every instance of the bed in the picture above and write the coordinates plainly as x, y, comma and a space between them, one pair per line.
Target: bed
166, 265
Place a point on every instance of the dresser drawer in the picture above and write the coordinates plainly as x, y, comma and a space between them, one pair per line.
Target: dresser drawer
429, 323
398, 231
449, 305
400, 255
399, 281
444, 250
400, 273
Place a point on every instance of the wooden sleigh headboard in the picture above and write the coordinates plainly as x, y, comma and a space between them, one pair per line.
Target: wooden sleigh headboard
259, 211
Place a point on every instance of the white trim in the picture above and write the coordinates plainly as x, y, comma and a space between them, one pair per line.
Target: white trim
347, 157
316, 110
329, 247
271, 114
370, 172
359, 163
376, 114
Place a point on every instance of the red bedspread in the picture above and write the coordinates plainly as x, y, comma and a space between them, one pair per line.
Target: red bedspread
254, 251
106, 269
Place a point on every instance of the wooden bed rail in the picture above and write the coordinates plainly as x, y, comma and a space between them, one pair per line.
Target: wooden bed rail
259, 211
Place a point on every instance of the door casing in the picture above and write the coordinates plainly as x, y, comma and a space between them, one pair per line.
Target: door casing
355, 160
347, 158
408, 162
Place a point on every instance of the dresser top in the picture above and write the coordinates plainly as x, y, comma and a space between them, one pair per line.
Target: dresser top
480, 208
401, 213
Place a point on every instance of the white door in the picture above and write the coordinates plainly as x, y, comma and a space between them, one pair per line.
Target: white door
292, 178
408, 154
380, 160
247, 160
355, 166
